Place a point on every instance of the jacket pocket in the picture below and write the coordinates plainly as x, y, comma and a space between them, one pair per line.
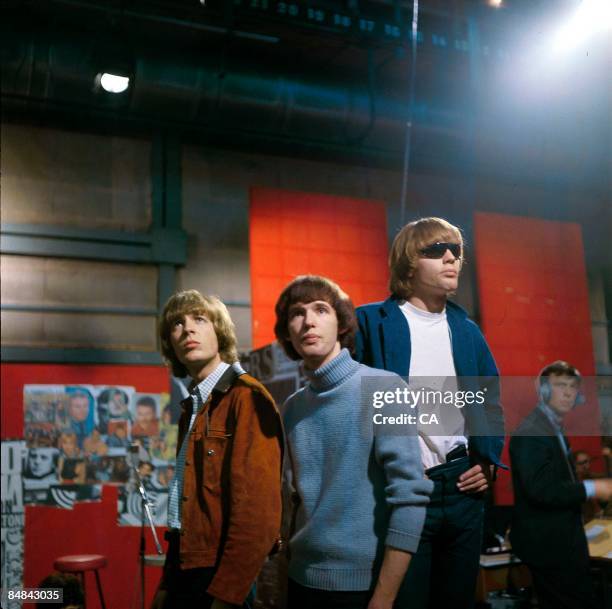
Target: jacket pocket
216, 447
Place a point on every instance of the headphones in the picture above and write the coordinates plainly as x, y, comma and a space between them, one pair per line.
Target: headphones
543, 384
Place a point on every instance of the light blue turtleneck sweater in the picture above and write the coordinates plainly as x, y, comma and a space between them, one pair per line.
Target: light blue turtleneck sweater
358, 492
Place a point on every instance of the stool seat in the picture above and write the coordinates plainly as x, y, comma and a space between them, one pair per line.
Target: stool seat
80, 562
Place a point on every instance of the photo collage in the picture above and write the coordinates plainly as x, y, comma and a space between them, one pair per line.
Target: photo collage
78, 437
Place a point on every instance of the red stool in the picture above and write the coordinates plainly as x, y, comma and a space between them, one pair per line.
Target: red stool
79, 563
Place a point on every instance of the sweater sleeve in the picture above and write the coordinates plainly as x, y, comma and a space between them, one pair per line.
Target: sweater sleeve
407, 489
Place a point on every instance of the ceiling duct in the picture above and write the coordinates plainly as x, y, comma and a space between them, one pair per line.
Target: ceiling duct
213, 91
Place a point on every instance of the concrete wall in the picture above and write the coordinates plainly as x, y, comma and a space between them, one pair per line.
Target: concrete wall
92, 181
60, 284
76, 181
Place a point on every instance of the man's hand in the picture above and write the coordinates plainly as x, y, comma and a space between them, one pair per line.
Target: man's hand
474, 480
603, 488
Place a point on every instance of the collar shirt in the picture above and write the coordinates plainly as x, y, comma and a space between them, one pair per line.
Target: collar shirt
557, 423
431, 362
199, 395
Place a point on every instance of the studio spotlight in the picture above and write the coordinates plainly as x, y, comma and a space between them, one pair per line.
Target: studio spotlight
589, 18
113, 83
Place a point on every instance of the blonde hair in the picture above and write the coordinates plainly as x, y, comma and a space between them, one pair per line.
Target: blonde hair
64, 436
191, 302
405, 250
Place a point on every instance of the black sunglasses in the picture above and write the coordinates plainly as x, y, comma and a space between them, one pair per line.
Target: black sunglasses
437, 250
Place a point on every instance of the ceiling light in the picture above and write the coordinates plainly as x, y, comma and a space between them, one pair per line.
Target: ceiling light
113, 83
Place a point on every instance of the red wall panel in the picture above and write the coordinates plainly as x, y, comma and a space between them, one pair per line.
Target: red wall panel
534, 308
293, 233
89, 527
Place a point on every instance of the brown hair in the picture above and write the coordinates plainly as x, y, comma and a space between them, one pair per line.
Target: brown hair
560, 368
191, 302
308, 288
407, 245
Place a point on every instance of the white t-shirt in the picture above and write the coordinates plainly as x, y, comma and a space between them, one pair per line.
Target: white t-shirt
432, 357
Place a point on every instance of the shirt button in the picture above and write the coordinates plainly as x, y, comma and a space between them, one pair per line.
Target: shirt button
185, 497
210, 452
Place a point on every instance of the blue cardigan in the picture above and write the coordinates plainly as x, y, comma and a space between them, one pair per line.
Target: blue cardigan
383, 341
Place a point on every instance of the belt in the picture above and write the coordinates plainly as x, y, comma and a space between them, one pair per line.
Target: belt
457, 453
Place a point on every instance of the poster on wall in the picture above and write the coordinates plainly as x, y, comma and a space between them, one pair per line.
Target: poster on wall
77, 437
13, 452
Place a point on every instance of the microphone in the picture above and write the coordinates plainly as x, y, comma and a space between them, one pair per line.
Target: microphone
138, 453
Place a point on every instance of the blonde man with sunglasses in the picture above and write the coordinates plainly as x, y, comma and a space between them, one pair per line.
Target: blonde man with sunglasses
421, 335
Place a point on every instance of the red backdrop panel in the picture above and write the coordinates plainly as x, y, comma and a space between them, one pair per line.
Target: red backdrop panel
89, 527
293, 233
534, 307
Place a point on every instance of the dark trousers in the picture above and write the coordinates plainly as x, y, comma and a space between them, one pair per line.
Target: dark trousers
566, 587
301, 597
444, 570
186, 588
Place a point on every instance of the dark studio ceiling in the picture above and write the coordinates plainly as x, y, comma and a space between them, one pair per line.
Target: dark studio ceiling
320, 79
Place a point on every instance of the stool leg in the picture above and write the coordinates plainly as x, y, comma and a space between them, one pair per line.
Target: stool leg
99, 589
82, 575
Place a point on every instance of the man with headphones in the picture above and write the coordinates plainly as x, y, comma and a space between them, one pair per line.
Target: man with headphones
547, 531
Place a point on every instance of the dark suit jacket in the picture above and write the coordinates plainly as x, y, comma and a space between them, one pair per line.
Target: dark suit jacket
383, 341
547, 527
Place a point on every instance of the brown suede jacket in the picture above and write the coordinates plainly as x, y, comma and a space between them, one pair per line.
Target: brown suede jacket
231, 509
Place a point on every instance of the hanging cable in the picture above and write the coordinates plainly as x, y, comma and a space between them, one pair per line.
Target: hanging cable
407, 148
